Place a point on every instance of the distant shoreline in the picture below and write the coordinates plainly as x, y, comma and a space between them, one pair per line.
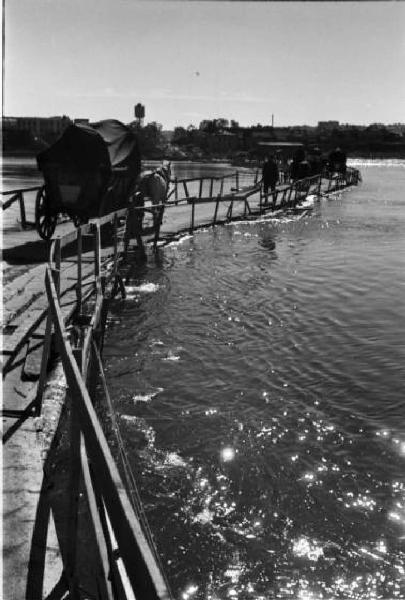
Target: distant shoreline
205, 159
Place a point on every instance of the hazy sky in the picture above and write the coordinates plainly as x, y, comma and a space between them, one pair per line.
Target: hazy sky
187, 61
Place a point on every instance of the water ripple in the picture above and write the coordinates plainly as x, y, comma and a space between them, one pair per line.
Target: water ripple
270, 453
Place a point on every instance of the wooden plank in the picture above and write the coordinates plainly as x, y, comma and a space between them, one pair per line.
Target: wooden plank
44, 362
33, 359
28, 189
121, 575
86, 351
106, 591
14, 342
17, 307
74, 491
66, 239
28, 321
110, 217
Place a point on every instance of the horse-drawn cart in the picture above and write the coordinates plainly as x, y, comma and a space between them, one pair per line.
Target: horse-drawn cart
89, 172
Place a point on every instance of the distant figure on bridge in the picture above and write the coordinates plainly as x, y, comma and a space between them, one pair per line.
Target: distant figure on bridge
270, 176
315, 161
295, 167
300, 169
337, 161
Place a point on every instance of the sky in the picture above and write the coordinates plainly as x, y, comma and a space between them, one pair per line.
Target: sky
187, 61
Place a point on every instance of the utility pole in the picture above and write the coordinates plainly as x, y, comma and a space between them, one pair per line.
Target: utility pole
272, 120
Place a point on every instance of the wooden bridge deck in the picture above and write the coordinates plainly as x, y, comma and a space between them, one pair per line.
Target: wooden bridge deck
25, 441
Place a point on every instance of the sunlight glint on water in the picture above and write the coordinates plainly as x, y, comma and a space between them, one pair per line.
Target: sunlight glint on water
260, 382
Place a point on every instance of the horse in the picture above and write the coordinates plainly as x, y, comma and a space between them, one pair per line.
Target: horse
152, 185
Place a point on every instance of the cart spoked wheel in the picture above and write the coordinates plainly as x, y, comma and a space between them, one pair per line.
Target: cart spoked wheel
45, 220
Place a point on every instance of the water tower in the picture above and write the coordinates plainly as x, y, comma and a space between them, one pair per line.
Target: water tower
139, 113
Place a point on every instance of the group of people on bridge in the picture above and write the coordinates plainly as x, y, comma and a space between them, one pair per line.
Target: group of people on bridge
302, 165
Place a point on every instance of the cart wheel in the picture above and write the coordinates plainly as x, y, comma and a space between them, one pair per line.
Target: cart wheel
45, 221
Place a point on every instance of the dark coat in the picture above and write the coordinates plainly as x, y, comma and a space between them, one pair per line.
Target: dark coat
270, 172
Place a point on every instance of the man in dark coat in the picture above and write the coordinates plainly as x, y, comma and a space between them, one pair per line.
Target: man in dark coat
337, 161
269, 176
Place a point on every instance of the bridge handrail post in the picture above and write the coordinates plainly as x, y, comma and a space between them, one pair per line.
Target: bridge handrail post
192, 215
58, 263
79, 270
211, 186
216, 209
97, 247
115, 240
292, 185
230, 210
22, 209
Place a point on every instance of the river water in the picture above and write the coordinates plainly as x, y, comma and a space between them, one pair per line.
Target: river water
257, 372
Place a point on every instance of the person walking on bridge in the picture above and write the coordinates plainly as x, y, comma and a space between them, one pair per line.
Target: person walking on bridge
270, 177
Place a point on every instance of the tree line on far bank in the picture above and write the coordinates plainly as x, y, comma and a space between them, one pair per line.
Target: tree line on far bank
219, 138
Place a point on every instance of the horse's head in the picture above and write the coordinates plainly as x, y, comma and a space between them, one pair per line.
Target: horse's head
167, 170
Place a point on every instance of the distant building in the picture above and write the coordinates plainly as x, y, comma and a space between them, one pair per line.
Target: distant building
221, 142
351, 127
262, 134
327, 126
398, 128
37, 126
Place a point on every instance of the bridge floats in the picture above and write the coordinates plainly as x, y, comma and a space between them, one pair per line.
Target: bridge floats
73, 522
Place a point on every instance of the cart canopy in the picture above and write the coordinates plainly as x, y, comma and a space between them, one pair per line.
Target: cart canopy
79, 149
91, 168
122, 145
